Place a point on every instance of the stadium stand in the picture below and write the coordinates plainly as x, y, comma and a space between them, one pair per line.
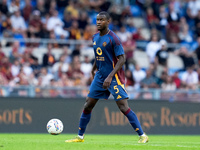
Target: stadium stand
70, 25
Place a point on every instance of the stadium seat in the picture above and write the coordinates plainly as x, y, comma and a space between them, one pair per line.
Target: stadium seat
136, 11
174, 62
138, 22
88, 51
141, 59
145, 32
39, 52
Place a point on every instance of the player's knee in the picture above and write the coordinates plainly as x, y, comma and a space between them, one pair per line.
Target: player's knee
88, 106
123, 105
122, 108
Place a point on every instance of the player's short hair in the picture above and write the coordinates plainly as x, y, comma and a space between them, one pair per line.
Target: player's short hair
105, 13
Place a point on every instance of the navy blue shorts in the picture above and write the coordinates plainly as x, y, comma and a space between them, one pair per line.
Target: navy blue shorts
98, 92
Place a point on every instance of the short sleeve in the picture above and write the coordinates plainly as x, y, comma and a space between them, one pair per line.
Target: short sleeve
118, 49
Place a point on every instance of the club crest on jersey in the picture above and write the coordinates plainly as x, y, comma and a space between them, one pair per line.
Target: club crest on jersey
94, 43
104, 44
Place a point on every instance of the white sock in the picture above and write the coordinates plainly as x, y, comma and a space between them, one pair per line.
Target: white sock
143, 134
81, 136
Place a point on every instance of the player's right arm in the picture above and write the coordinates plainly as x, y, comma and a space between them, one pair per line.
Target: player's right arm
94, 67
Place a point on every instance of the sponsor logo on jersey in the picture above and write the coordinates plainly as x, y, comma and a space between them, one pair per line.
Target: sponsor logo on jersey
104, 44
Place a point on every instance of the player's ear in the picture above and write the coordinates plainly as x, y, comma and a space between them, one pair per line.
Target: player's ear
108, 21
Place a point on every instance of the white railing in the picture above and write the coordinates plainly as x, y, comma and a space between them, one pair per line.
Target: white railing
81, 92
73, 42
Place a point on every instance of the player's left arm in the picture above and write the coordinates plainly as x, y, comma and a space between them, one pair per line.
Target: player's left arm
118, 66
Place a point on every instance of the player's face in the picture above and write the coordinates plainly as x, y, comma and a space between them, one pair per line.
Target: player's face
102, 22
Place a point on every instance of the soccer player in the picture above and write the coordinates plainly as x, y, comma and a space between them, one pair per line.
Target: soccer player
108, 74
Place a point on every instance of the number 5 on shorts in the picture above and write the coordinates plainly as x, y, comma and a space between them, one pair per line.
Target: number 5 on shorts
115, 87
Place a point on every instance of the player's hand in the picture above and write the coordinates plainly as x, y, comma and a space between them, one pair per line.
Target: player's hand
107, 82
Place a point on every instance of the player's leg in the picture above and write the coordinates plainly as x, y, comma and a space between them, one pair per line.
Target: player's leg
125, 109
84, 119
96, 92
86, 114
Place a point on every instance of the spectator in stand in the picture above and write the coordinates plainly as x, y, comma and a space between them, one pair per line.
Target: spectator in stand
41, 7
36, 67
184, 34
4, 7
197, 24
187, 57
138, 76
59, 67
15, 68
190, 79
5, 68
13, 7
163, 20
44, 32
75, 32
192, 8
138, 35
66, 52
83, 20
33, 81
129, 48
3, 79
174, 40
163, 77
64, 81
67, 21
18, 24
35, 24
123, 34
27, 68
2, 55
45, 77
149, 81
197, 51
99, 5
88, 32
52, 6
76, 51
156, 5
126, 13
116, 16
27, 10
161, 58
151, 18
173, 21
74, 73
130, 26
176, 79
129, 78
168, 84
22, 78
73, 9
15, 53
48, 58
152, 47
62, 3
198, 71
55, 24
86, 67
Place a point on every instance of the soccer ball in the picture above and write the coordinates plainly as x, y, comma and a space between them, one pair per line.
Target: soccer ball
55, 126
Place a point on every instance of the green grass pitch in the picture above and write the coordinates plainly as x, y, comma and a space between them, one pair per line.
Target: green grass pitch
97, 142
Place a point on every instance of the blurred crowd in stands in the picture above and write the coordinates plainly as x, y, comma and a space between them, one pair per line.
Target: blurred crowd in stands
168, 21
